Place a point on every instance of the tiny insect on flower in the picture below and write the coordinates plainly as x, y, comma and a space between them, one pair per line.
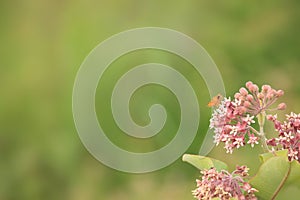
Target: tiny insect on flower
215, 101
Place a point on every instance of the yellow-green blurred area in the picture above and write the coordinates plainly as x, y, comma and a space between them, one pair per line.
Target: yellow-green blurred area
43, 44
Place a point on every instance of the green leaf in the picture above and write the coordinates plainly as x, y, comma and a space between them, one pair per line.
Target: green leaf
264, 157
202, 162
294, 177
271, 177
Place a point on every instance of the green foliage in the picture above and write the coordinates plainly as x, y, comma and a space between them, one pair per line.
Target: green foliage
202, 162
294, 177
294, 174
264, 157
271, 177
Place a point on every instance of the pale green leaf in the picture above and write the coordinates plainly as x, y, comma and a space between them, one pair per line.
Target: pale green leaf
294, 177
271, 177
264, 157
202, 162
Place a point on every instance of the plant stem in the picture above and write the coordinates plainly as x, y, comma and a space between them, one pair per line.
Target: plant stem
263, 139
261, 121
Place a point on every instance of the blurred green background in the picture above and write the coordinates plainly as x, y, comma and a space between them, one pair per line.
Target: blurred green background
42, 46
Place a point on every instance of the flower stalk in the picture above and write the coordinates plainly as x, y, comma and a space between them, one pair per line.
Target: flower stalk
261, 118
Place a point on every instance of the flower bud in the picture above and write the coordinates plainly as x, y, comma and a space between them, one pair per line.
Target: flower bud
279, 93
253, 88
270, 117
243, 91
272, 142
242, 110
249, 97
270, 95
237, 95
249, 84
247, 104
260, 95
266, 88
297, 123
281, 106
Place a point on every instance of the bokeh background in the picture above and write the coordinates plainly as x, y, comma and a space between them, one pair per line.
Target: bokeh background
42, 46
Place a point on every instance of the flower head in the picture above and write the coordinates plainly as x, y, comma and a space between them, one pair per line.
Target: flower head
288, 135
224, 185
231, 124
232, 119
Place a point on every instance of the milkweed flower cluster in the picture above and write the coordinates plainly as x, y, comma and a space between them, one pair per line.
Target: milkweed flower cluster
224, 185
231, 123
232, 119
289, 135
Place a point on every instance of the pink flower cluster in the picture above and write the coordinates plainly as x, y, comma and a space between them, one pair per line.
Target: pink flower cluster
231, 123
256, 101
232, 120
223, 185
289, 135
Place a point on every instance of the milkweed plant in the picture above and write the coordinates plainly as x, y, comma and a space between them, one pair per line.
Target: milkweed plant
232, 123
